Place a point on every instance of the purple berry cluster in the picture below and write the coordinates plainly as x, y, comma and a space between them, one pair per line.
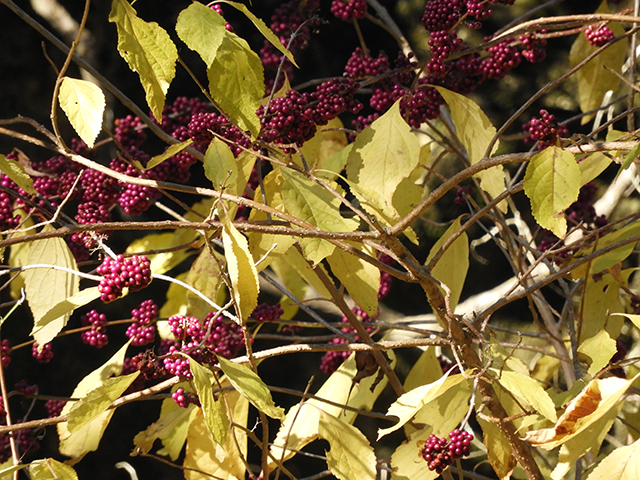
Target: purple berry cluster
131, 272
331, 360
54, 407
96, 336
5, 353
439, 453
43, 356
26, 443
544, 130
267, 313
349, 10
203, 127
202, 341
184, 398
597, 35
141, 331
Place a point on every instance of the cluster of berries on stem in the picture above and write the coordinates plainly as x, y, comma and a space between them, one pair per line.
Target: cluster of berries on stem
119, 273
439, 453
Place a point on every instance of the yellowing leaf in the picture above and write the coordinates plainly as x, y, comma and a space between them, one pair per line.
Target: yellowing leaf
425, 370
621, 464
97, 401
475, 132
148, 50
592, 166
50, 469
322, 151
264, 30
17, 174
411, 402
601, 297
168, 153
236, 82
384, 154
214, 410
552, 183
46, 287
598, 397
312, 203
600, 349
205, 276
84, 103
249, 384
361, 279
301, 424
68, 305
350, 456
242, 271
499, 450
202, 29
87, 438
594, 80
164, 261
164, 428
526, 388
619, 254
634, 318
451, 269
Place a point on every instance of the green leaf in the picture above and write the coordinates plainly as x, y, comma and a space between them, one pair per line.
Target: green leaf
360, 278
87, 438
526, 388
214, 410
84, 103
384, 154
68, 305
266, 31
242, 271
634, 318
621, 464
613, 257
168, 153
148, 50
97, 401
552, 183
633, 154
594, 80
475, 132
301, 424
17, 174
249, 384
350, 456
202, 29
600, 348
236, 82
414, 400
50, 469
312, 203
223, 169
46, 286
452, 267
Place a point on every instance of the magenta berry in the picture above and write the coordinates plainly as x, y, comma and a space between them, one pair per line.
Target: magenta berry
97, 335
440, 453
43, 356
598, 35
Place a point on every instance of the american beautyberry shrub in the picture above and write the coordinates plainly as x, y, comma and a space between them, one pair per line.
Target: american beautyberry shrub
440, 453
96, 336
43, 356
131, 272
598, 35
267, 313
184, 398
141, 331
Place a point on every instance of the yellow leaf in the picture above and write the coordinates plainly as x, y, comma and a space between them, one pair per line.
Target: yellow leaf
242, 271
594, 80
526, 388
17, 174
552, 183
621, 464
202, 29
206, 277
350, 456
499, 450
46, 287
601, 297
600, 348
475, 132
50, 469
593, 165
214, 410
87, 438
84, 103
320, 151
360, 278
451, 269
168, 153
164, 261
68, 305
148, 50
425, 370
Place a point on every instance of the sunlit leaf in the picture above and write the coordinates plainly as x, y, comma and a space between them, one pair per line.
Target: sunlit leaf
264, 30
350, 456
552, 183
148, 50
51, 469
621, 464
451, 269
84, 104
242, 271
215, 413
202, 29
499, 450
97, 401
322, 152
168, 153
600, 349
236, 82
68, 305
45, 287
592, 166
634, 318
411, 402
475, 132
619, 254
425, 370
601, 297
17, 174
206, 277
360, 278
594, 80
529, 390
87, 438
163, 261
249, 384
